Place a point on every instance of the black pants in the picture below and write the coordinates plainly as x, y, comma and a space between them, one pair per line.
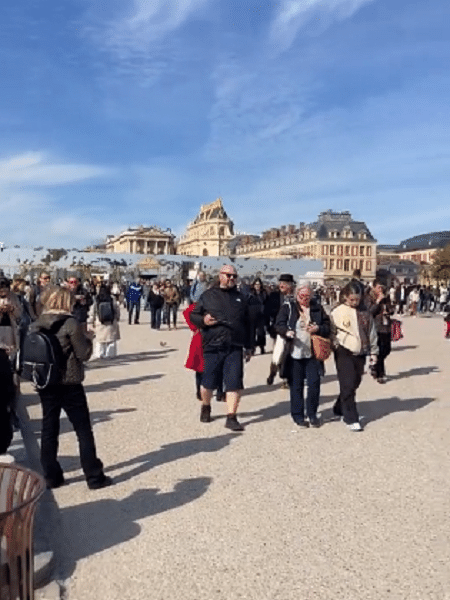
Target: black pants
72, 399
350, 369
384, 349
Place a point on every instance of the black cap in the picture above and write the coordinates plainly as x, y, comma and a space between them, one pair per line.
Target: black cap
286, 277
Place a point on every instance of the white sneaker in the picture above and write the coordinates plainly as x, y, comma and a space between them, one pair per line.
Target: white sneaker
355, 426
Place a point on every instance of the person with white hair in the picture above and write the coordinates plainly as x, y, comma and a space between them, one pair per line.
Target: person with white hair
297, 320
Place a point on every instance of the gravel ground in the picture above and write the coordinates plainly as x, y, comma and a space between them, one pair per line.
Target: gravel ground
274, 513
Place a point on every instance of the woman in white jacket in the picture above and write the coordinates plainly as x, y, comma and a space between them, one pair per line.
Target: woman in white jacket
355, 338
104, 318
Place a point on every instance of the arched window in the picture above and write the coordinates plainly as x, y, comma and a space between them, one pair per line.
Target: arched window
205, 252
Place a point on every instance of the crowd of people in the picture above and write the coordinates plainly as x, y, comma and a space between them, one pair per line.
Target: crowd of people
230, 321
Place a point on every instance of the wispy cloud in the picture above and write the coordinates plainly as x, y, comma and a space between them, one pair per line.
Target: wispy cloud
256, 106
150, 21
295, 14
35, 168
137, 36
31, 215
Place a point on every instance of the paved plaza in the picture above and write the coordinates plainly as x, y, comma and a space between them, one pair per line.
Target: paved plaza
274, 513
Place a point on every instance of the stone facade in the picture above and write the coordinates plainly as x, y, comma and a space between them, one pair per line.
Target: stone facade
209, 233
341, 243
142, 240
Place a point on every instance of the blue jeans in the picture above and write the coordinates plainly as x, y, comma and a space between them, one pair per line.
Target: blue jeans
155, 322
309, 369
137, 305
171, 309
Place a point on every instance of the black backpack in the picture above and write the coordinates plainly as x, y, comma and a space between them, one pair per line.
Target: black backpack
105, 311
43, 359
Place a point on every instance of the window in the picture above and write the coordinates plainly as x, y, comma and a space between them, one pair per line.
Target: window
347, 250
324, 263
361, 265
354, 251
361, 250
324, 250
346, 264
332, 249
331, 264
368, 265
339, 263
340, 250
368, 251
354, 264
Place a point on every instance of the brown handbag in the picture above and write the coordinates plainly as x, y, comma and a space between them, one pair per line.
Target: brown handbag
321, 347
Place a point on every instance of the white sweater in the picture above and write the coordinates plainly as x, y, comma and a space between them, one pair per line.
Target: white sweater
345, 330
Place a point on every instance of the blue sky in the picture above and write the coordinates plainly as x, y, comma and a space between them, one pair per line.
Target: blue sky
137, 111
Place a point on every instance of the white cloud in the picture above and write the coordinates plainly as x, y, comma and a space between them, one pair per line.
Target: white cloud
33, 168
295, 14
30, 215
146, 23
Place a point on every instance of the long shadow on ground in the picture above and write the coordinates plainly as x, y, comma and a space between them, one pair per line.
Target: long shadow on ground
95, 526
374, 410
126, 359
118, 383
166, 454
415, 371
97, 417
399, 348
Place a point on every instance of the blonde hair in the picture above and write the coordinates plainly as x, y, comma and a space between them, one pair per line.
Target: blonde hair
57, 299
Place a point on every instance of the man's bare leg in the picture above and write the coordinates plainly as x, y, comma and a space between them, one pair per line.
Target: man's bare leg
233, 401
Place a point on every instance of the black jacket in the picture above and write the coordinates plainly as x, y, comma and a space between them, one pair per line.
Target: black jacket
81, 308
287, 320
289, 313
230, 308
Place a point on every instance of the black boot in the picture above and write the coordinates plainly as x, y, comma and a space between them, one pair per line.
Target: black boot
205, 413
233, 424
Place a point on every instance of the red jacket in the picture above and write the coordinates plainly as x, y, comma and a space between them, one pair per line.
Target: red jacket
194, 359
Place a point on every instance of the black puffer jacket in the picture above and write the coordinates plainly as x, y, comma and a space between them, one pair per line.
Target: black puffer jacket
230, 309
77, 348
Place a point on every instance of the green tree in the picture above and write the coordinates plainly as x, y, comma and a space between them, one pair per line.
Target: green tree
440, 266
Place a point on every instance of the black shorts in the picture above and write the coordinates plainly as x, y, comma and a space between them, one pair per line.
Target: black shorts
224, 366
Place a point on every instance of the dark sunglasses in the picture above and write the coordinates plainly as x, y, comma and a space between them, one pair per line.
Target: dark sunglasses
230, 275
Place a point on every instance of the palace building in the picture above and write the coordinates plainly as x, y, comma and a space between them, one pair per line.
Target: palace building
142, 240
209, 233
422, 248
341, 243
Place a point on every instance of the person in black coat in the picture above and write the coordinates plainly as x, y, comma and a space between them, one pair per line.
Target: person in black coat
7, 394
296, 322
256, 306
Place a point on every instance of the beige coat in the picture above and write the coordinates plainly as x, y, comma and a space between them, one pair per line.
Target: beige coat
105, 333
345, 330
